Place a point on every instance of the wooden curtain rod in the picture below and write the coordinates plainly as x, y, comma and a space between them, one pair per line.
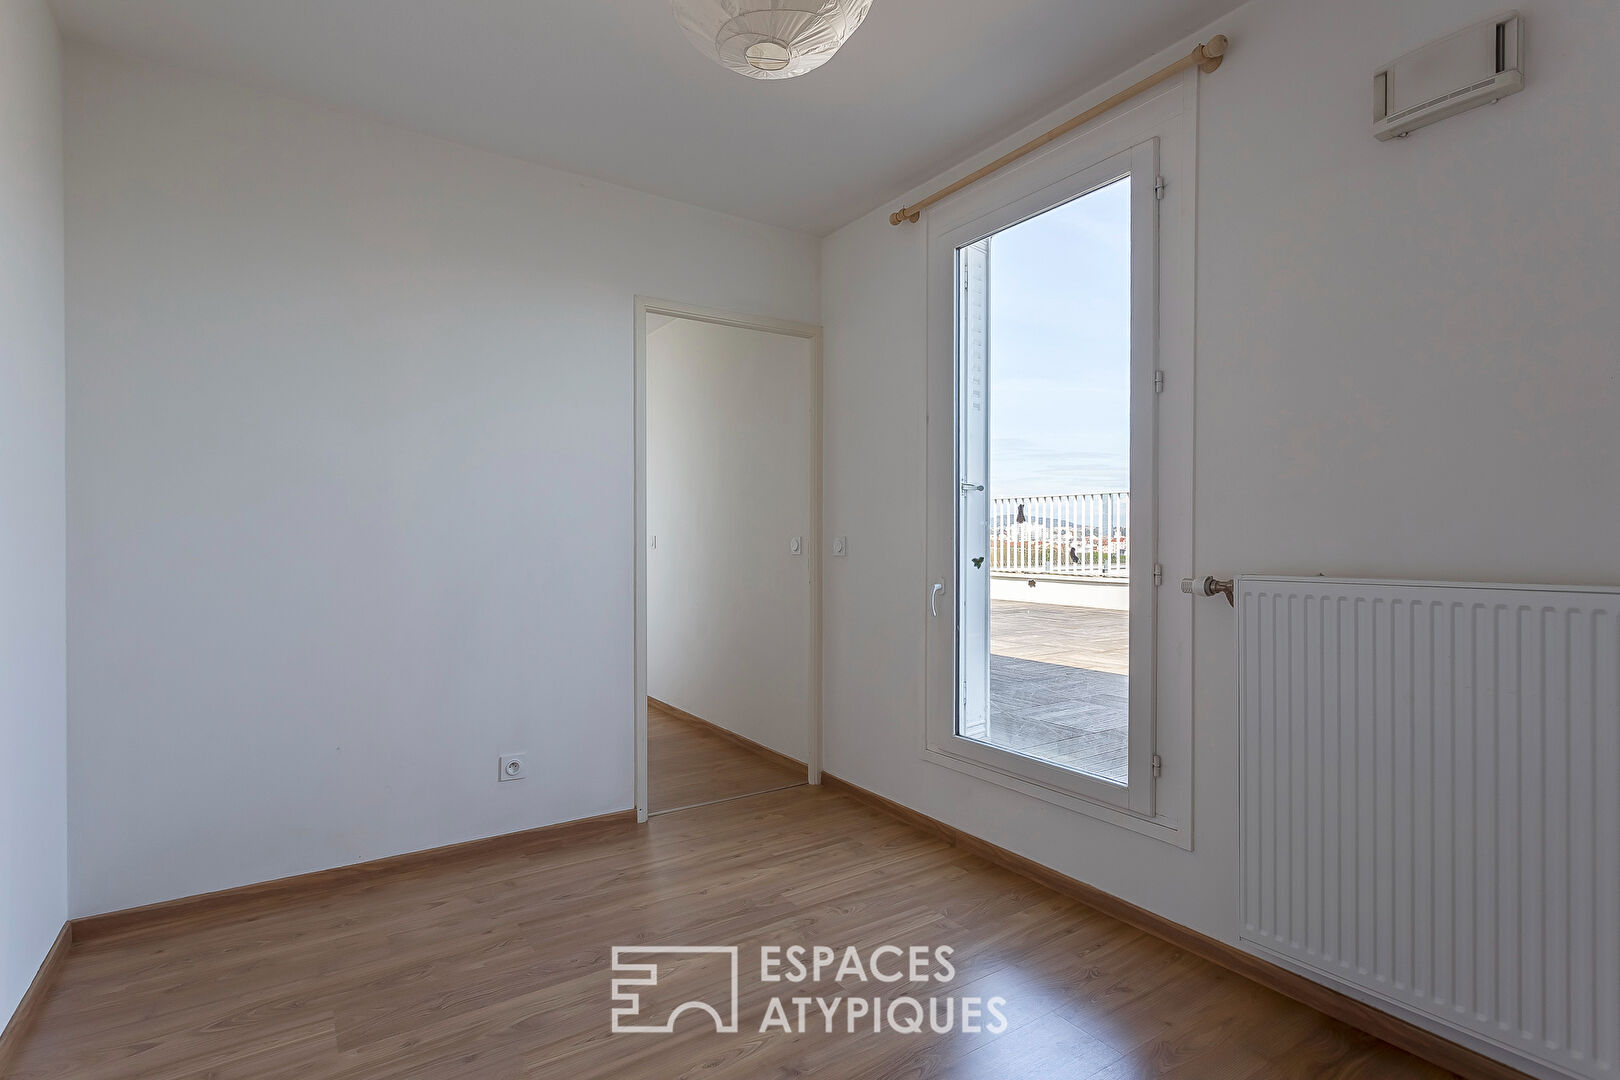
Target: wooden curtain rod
1206, 57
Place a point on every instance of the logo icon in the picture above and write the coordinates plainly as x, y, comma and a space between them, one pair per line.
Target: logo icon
628, 997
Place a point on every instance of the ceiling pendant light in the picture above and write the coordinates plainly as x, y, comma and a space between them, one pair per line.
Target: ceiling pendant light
770, 39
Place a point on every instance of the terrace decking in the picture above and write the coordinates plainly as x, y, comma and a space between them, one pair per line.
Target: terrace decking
1058, 684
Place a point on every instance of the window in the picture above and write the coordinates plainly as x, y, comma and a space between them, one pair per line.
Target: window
1048, 363
1049, 348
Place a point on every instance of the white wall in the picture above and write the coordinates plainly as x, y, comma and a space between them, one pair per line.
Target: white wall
350, 478
729, 446
33, 710
1407, 365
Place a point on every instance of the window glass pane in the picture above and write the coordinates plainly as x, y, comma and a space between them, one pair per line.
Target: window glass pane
1044, 348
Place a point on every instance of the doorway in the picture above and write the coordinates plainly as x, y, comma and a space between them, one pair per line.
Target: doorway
728, 557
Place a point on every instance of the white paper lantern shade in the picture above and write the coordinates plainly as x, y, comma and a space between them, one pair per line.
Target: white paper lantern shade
770, 39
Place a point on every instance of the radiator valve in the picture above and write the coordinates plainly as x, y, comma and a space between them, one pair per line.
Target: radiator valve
1209, 586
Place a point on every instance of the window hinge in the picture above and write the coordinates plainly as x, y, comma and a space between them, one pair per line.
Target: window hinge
1158, 765
1158, 189
1158, 382
1158, 573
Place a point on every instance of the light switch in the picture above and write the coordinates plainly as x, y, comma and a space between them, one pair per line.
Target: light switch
796, 545
840, 546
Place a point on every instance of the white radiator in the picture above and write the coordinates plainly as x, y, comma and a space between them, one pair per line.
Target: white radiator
1431, 803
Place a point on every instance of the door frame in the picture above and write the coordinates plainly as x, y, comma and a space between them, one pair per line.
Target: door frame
644, 306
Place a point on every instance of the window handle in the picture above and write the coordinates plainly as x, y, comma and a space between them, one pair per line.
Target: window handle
971, 487
933, 598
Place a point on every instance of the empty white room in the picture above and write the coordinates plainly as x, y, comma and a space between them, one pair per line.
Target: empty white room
764, 538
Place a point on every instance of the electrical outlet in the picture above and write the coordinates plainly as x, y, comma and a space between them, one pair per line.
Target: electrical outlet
512, 767
840, 546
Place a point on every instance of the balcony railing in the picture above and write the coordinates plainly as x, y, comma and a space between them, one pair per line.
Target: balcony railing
1077, 536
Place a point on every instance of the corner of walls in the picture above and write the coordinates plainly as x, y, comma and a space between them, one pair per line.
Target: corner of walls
33, 636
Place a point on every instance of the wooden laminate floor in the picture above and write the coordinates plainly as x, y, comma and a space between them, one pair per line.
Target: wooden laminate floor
499, 967
689, 764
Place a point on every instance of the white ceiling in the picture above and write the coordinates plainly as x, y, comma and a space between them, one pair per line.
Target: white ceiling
613, 89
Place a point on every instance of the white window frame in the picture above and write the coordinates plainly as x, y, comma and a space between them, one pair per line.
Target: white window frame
1152, 136
1139, 163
